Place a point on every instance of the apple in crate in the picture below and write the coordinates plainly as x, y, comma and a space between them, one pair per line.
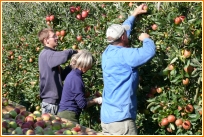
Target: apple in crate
17, 110
24, 113
37, 113
45, 116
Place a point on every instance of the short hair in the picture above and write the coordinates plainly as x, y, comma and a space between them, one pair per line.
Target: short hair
83, 59
44, 33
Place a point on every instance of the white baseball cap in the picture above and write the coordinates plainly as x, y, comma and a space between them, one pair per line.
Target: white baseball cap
115, 31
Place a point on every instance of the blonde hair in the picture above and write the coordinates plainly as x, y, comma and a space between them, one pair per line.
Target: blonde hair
83, 59
44, 33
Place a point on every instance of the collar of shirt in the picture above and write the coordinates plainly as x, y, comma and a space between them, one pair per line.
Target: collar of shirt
77, 71
45, 47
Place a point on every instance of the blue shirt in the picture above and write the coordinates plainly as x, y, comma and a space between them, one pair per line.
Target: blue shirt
73, 93
120, 76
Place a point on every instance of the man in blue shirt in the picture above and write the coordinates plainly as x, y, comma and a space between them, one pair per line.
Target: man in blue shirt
120, 65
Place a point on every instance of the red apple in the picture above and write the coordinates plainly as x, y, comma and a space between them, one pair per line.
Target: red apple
45, 116
187, 53
17, 110
32, 115
154, 27
182, 18
84, 14
10, 53
177, 20
38, 119
78, 8
79, 17
79, 38
77, 128
52, 17
72, 9
19, 57
5, 124
186, 124
19, 122
26, 125
47, 18
29, 118
63, 32
24, 113
57, 33
40, 123
31, 123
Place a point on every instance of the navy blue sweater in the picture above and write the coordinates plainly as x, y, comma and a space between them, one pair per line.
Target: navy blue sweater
51, 74
73, 94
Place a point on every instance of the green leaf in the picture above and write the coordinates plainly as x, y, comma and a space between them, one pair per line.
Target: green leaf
192, 115
177, 79
156, 107
174, 60
172, 126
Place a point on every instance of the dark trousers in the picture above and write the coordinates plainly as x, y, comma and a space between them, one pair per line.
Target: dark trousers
69, 115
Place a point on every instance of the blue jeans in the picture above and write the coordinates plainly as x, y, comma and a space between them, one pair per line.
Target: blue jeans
49, 108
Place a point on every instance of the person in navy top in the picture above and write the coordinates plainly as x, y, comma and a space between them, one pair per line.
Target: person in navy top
73, 99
